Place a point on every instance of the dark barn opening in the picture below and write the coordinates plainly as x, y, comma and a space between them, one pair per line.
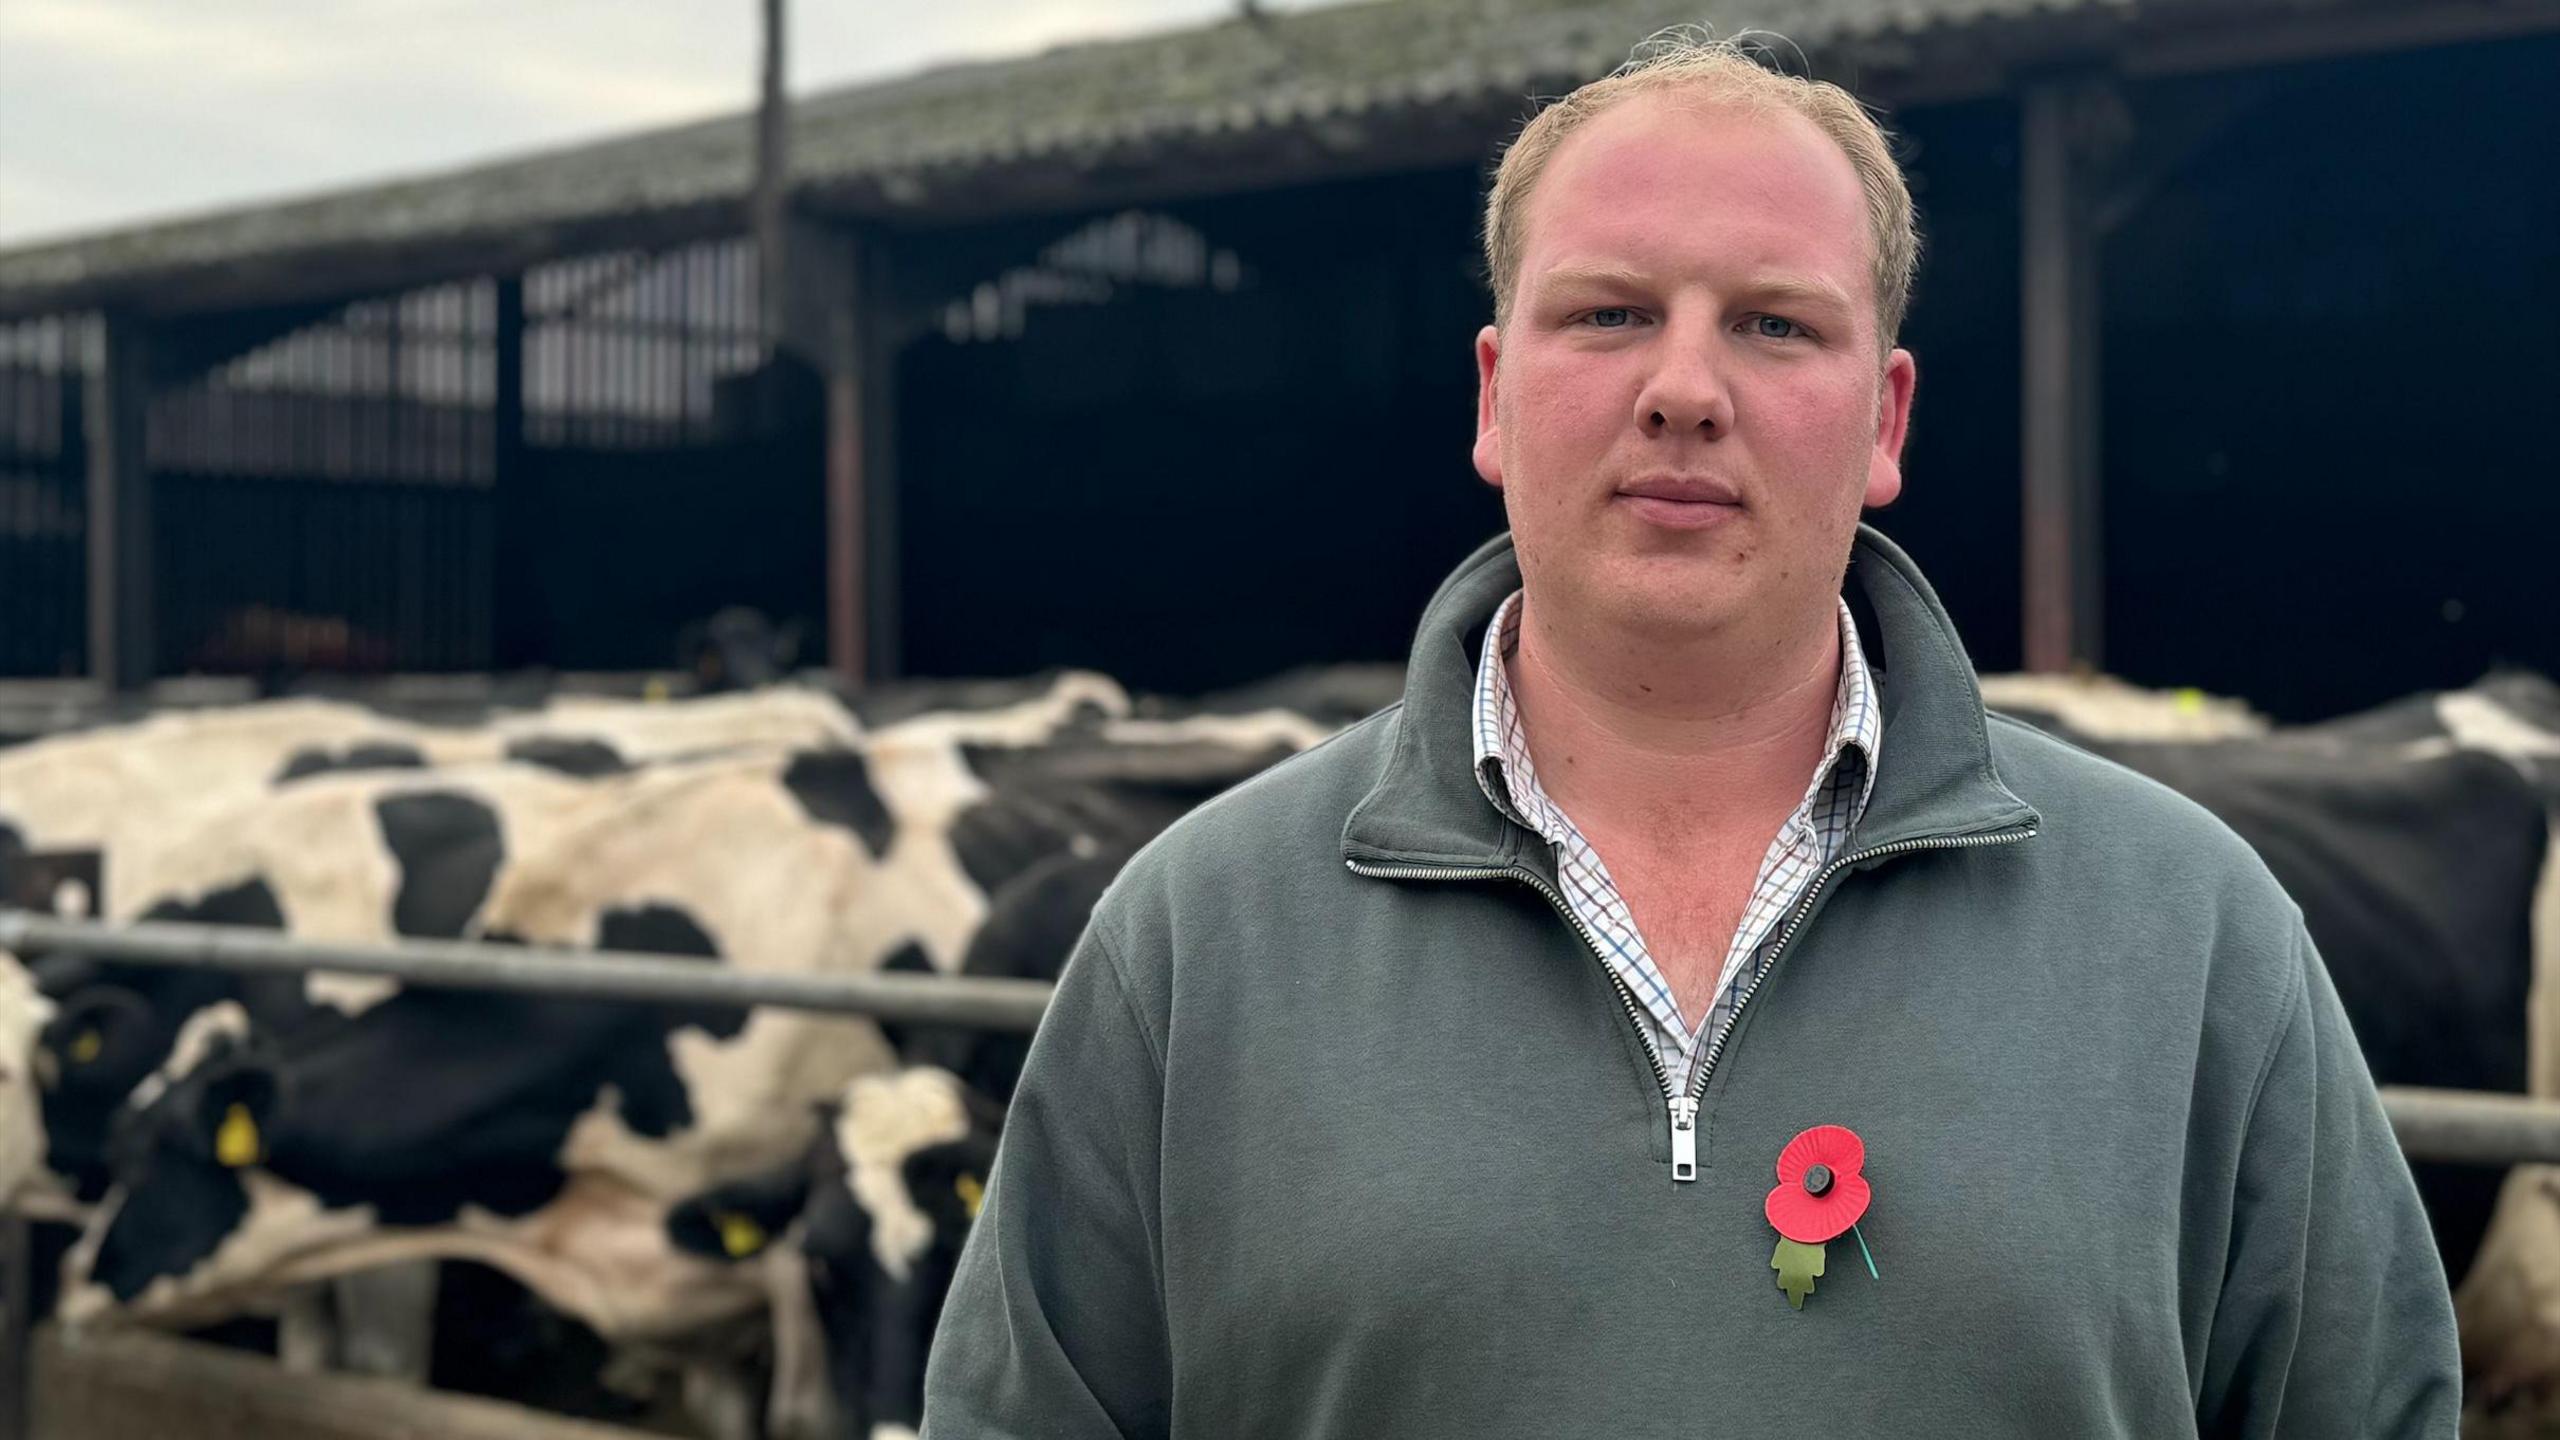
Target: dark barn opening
2330, 370
1187, 486
1958, 515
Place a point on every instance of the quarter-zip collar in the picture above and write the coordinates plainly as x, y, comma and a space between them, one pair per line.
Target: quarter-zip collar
1426, 809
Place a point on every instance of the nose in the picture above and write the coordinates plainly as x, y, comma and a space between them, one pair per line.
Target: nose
1685, 395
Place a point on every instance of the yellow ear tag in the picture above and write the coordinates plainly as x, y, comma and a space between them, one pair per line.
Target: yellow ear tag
655, 691
236, 1143
2190, 701
86, 1047
740, 1236
973, 1196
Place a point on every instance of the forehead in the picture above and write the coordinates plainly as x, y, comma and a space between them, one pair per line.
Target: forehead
1667, 182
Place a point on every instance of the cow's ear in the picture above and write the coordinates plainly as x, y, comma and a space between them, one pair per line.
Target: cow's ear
234, 1118
92, 1030
708, 1227
949, 1182
741, 1221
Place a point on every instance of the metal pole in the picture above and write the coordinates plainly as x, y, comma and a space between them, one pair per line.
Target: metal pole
2470, 1127
773, 167
2059, 359
2464, 1127
121, 555
848, 362
979, 1002
17, 1277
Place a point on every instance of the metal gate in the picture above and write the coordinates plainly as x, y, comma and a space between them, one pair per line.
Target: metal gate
401, 483
43, 502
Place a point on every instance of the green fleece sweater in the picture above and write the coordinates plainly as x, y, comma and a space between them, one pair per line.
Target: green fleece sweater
1337, 1127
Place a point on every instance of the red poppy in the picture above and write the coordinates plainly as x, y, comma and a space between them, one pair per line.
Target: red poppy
1819, 1193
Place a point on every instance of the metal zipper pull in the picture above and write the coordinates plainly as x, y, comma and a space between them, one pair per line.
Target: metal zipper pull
1684, 1138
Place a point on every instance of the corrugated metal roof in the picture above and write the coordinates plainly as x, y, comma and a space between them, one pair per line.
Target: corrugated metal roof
904, 146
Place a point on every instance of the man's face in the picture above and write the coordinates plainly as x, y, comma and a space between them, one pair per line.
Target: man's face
1688, 406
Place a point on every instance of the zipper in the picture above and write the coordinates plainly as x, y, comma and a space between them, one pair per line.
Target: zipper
1680, 1110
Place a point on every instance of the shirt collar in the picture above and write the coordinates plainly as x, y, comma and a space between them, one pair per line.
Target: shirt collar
1508, 775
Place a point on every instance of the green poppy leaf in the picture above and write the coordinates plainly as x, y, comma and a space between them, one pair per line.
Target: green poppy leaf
1797, 1264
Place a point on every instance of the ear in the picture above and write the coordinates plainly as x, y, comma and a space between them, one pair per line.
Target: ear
1893, 422
1488, 453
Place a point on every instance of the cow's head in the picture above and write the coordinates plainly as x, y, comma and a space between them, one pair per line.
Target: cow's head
882, 1205
178, 1168
884, 1232
100, 1041
117, 1025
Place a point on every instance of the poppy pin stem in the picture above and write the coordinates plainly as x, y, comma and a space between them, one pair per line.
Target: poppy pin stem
1863, 1250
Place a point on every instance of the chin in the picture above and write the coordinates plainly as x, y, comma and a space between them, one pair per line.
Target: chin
1667, 599
1674, 614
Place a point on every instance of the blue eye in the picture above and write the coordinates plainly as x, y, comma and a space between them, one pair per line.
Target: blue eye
1612, 319
1790, 331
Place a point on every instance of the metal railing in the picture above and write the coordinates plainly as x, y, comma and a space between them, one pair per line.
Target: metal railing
2471, 1127
617, 975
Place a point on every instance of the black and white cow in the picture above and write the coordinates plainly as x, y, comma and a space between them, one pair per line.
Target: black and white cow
533, 1135
388, 853
760, 860
352, 857
357, 857
282, 1156
859, 1237
238, 817
867, 1230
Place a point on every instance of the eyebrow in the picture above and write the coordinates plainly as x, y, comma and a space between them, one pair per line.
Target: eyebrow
1596, 276
1799, 289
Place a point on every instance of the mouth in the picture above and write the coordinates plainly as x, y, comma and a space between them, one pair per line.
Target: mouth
1679, 503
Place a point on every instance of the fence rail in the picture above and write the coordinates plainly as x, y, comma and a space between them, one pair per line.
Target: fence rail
979, 1002
2460, 1126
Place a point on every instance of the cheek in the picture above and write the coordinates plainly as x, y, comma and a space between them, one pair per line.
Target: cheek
1821, 436
1555, 432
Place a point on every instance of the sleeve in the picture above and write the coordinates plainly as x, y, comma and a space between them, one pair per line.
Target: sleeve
1055, 1325
2334, 1318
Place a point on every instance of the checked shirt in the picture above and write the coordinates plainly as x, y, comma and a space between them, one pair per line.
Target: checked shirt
1811, 838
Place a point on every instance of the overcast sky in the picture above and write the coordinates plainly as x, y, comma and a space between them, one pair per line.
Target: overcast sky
114, 112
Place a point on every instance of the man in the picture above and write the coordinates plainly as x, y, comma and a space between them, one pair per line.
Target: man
1437, 1083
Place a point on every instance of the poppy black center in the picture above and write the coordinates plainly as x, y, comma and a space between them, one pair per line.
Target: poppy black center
1817, 1180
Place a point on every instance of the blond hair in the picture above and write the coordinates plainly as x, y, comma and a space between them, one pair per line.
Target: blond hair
1728, 73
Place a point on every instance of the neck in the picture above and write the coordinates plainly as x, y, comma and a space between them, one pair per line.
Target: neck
1634, 737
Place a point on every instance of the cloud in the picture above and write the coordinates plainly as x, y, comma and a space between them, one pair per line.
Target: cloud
114, 112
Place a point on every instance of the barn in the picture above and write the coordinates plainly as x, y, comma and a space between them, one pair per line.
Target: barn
1055, 335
